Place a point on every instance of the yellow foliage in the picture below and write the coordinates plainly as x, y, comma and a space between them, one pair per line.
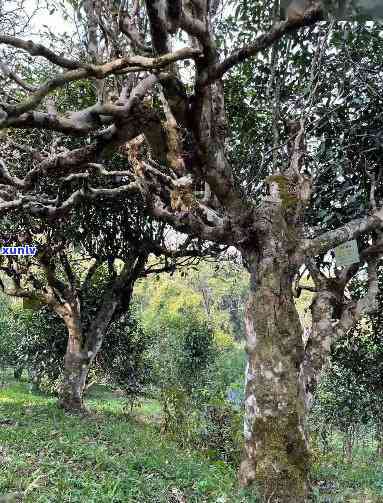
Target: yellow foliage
185, 300
223, 339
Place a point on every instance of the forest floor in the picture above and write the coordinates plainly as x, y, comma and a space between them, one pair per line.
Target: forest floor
111, 456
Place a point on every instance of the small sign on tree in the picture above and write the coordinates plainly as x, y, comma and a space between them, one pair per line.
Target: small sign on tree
347, 253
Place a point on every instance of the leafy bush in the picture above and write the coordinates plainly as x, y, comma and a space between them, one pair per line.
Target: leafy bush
123, 358
214, 427
42, 340
199, 387
221, 432
177, 415
196, 351
8, 337
182, 351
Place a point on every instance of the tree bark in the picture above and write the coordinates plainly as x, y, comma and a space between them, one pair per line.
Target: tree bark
76, 366
318, 345
276, 453
379, 437
18, 372
83, 345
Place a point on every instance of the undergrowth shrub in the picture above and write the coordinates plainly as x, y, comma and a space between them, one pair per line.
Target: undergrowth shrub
201, 405
123, 359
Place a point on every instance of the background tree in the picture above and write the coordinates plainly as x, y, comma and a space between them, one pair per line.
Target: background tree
351, 394
86, 277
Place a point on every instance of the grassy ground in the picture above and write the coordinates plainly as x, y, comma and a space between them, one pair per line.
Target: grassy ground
46, 456
359, 481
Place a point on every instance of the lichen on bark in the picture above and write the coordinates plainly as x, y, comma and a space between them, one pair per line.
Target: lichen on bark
276, 450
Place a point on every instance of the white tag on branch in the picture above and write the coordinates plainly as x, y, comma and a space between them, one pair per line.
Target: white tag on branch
347, 253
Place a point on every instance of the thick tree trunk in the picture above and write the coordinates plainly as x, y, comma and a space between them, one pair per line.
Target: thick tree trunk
76, 365
276, 453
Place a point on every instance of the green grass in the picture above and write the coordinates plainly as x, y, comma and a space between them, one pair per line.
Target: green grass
112, 456
358, 481
47, 456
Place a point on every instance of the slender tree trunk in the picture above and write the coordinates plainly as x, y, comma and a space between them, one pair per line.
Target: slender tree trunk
18, 372
379, 438
276, 453
318, 345
76, 365
35, 379
350, 437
